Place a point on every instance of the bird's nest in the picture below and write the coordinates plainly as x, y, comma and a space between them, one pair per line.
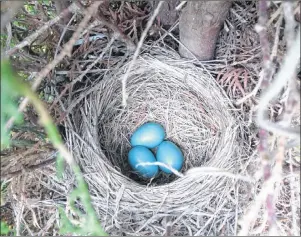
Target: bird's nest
196, 115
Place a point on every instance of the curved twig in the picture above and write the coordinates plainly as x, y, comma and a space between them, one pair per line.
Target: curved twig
287, 72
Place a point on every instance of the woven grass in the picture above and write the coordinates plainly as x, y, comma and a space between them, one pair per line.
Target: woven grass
195, 114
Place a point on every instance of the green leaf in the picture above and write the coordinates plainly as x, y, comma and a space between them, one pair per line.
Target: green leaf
66, 226
60, 166
30, 9
9, 106
4, 228
86, 213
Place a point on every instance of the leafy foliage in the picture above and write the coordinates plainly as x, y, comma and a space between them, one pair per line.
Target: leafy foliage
13, 87
9, 106
89, 221
5, 229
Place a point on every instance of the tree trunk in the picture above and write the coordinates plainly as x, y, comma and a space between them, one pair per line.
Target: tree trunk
200, 24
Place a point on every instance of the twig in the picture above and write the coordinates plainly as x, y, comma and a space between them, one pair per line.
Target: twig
180, 6
9, 36
140, 43
288, 70
276, 40
66, 51
275, 15
213, 171
250, 216
261, 29
294, 209
174, 171
267, 192
28, 40
266, 76
289, 22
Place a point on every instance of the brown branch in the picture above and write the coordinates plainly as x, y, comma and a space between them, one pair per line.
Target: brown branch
28, 40
65, 52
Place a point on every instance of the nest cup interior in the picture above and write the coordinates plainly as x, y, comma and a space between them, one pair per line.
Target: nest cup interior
190, 107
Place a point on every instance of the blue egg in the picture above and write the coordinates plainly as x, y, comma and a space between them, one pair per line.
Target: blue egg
168, 153
149, 135
141, 154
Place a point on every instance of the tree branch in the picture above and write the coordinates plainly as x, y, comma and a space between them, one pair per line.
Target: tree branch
287, 72
28, 40
272, 175
66, 51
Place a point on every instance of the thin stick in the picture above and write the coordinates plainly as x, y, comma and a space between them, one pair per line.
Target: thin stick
66, 51
140, 43
174, 171
213, 171
28, 40
9, 36
179, 7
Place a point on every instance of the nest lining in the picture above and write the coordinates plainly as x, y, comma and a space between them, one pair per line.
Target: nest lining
197, 117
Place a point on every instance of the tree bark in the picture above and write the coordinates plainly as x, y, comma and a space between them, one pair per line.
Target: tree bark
200, 24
